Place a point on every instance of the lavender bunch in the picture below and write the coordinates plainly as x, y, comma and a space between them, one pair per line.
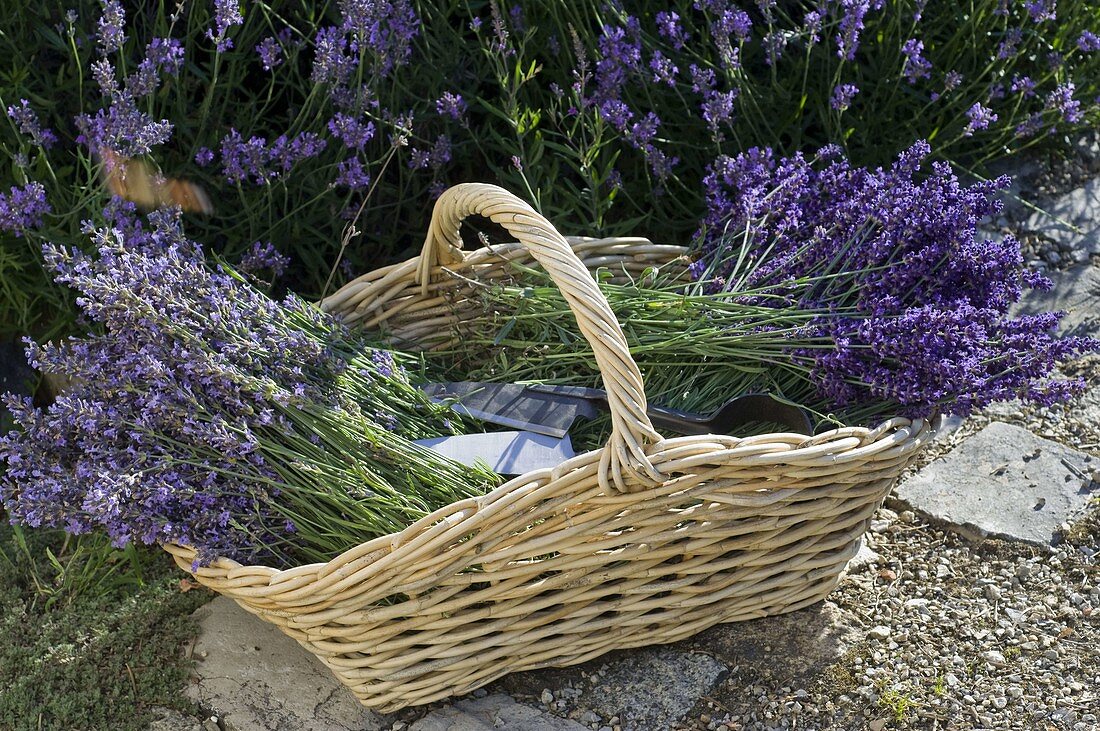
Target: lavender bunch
858, 293
925, 297
206, 414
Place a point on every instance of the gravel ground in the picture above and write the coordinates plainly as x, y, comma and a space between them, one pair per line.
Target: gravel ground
957, 636
996, 635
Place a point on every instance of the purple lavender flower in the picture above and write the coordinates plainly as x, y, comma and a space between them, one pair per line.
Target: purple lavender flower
421, 159
979, 118
104, 74
515, 17
385, 27
27, 121
913, 303
620, 57
271, 53
851, 26
110, 33
916, 66
451, 105
774, 44
123, 129
227, 13
182, 413
23, 208
1041, 10
264, 257
718, 108
703, 80
1023, 85
254, 159
1030, 126
1061, 100
441, 152
729, 26
286, 152
1088, 42
664, 70
350, 174
167, 54
351, 131
145, 80
669, 28
204, 157
1010, 44
331, 62
842, 96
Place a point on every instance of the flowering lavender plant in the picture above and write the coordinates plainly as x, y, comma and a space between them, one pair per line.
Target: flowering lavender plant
206, 414
606, 114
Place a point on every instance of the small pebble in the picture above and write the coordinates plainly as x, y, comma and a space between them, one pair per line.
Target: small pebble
878, 633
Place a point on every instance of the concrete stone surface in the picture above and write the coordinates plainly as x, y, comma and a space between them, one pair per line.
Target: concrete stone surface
167, 719
652, 687
1004, 481
809, 641
1074, 219
492, 713
255, 678
865, 557
1077, 292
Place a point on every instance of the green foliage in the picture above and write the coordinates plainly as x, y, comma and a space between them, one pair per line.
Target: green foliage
96, 653
896, 702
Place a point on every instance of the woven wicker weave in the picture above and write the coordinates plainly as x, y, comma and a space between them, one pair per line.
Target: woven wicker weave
646, 541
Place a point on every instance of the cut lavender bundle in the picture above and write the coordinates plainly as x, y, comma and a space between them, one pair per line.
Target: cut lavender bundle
206, 414
857, 293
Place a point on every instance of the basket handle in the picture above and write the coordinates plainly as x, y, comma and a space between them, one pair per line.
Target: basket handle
631, 430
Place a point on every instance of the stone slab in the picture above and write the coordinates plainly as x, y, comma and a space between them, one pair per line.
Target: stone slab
653, 687
492, 713
1074, 219
255, 678
1006, 482
1077, 292
166, 719
808, 642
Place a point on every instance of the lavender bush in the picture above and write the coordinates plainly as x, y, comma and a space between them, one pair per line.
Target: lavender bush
205, 413
606, 114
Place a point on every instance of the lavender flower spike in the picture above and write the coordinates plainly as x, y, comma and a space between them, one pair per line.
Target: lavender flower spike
227, 13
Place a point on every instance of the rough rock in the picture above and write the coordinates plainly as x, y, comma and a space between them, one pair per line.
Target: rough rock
1006, 482
654, 687
1073, 221
1077, 292
491, 713
864, 558
808, 641
167, 719
255, 678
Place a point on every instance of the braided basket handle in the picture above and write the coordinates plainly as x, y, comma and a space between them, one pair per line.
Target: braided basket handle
631, 431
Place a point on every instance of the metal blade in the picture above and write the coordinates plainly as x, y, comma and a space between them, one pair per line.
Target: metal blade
509, 404
506, 452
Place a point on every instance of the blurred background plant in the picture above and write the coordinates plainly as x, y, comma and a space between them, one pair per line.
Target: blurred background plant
291, 114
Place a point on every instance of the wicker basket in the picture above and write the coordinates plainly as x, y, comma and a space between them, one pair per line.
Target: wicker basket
648, 540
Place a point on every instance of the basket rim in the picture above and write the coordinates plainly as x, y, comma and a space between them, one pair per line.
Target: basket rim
672, 456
